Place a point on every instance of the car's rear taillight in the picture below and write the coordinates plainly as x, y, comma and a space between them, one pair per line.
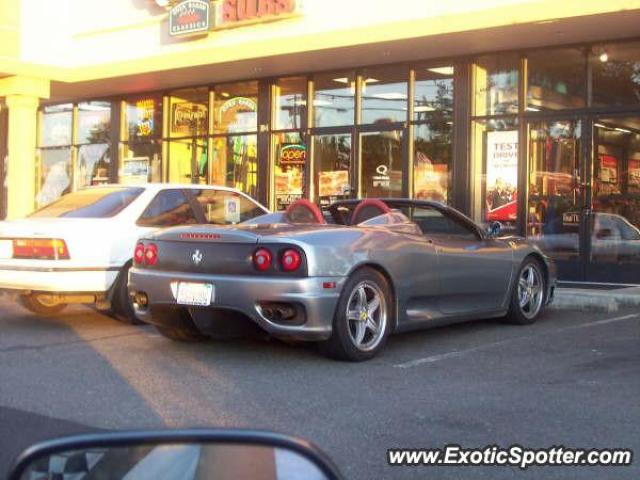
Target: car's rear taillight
151, 254
290, 260
262, 259
40, 248
138, 254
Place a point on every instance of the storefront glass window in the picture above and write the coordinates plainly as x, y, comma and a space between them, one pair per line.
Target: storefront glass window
334, 99
432, 146
615, 225
290, 99
236, 108
433, 92
188, 160
94, 163
495, 176
189, 112
55, 174
381, 174
616, 74
94, 122
235, 162
56, 125
290, 168
496, 85
141, 163
554, 187
557, 79
143, 118
333, 157
384, 95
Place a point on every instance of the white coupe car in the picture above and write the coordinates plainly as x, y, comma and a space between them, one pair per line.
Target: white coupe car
79, 248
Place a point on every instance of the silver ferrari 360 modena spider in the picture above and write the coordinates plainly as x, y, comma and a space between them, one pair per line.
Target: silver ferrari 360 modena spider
347, 277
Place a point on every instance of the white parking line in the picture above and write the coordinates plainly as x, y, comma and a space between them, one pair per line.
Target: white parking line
458, 353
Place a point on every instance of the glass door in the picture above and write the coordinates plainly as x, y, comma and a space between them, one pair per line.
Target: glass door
381, 163
613, 229
334, 162
556, 213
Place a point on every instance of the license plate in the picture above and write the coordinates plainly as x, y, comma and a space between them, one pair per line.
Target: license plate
199, 294
6, 249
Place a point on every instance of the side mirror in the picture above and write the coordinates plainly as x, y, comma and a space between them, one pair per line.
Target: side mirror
183, 454
494, 229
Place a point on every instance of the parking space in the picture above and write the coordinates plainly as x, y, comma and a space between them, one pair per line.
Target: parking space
572, 379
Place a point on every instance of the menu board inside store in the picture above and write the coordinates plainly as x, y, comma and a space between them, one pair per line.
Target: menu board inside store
431, 179
135, 170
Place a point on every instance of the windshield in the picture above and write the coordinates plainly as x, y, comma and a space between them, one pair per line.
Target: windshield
91, 203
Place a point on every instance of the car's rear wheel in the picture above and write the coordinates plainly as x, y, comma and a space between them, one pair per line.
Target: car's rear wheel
41, 304
363, 318
121, 303
527, 298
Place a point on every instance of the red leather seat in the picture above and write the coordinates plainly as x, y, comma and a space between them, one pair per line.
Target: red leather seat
304, 211
367, 209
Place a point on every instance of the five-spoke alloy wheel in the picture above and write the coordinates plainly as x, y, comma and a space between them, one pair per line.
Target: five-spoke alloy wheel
529, 293
363, 317
366, 316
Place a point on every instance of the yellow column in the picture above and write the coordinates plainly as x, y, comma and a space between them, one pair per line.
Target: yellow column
22, 97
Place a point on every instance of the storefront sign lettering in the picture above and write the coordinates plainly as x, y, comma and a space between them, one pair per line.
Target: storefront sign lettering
232, 13
189, 17
189, 118
242, 104
293, 155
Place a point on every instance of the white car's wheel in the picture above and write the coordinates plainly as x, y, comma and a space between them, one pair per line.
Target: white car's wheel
41, 304
121, 303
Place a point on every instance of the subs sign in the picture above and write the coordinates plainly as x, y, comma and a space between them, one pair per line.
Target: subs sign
235, 13
190, 17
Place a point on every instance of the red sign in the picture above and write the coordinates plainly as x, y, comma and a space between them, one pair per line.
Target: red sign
234, 11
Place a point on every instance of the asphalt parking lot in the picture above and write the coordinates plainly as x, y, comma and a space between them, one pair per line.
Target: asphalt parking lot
572, 379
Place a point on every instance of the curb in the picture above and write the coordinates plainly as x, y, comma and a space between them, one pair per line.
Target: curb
596, 300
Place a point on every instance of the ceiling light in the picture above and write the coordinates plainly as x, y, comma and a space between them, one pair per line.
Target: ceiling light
93, 107
390, 96
623, 130
341, 80
424, 108
533, 109
604, 56
441, 70
371, 80
600, 125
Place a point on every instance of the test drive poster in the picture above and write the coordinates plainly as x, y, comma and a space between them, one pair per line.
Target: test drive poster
502, 175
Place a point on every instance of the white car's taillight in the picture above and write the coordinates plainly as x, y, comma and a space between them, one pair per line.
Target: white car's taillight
40, 249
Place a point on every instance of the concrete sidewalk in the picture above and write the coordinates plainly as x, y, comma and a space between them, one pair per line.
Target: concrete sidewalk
593, 299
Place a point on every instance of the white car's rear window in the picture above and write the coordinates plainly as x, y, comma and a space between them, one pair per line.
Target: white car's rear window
102, 202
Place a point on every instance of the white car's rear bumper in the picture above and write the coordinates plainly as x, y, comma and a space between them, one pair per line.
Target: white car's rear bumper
58, 280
